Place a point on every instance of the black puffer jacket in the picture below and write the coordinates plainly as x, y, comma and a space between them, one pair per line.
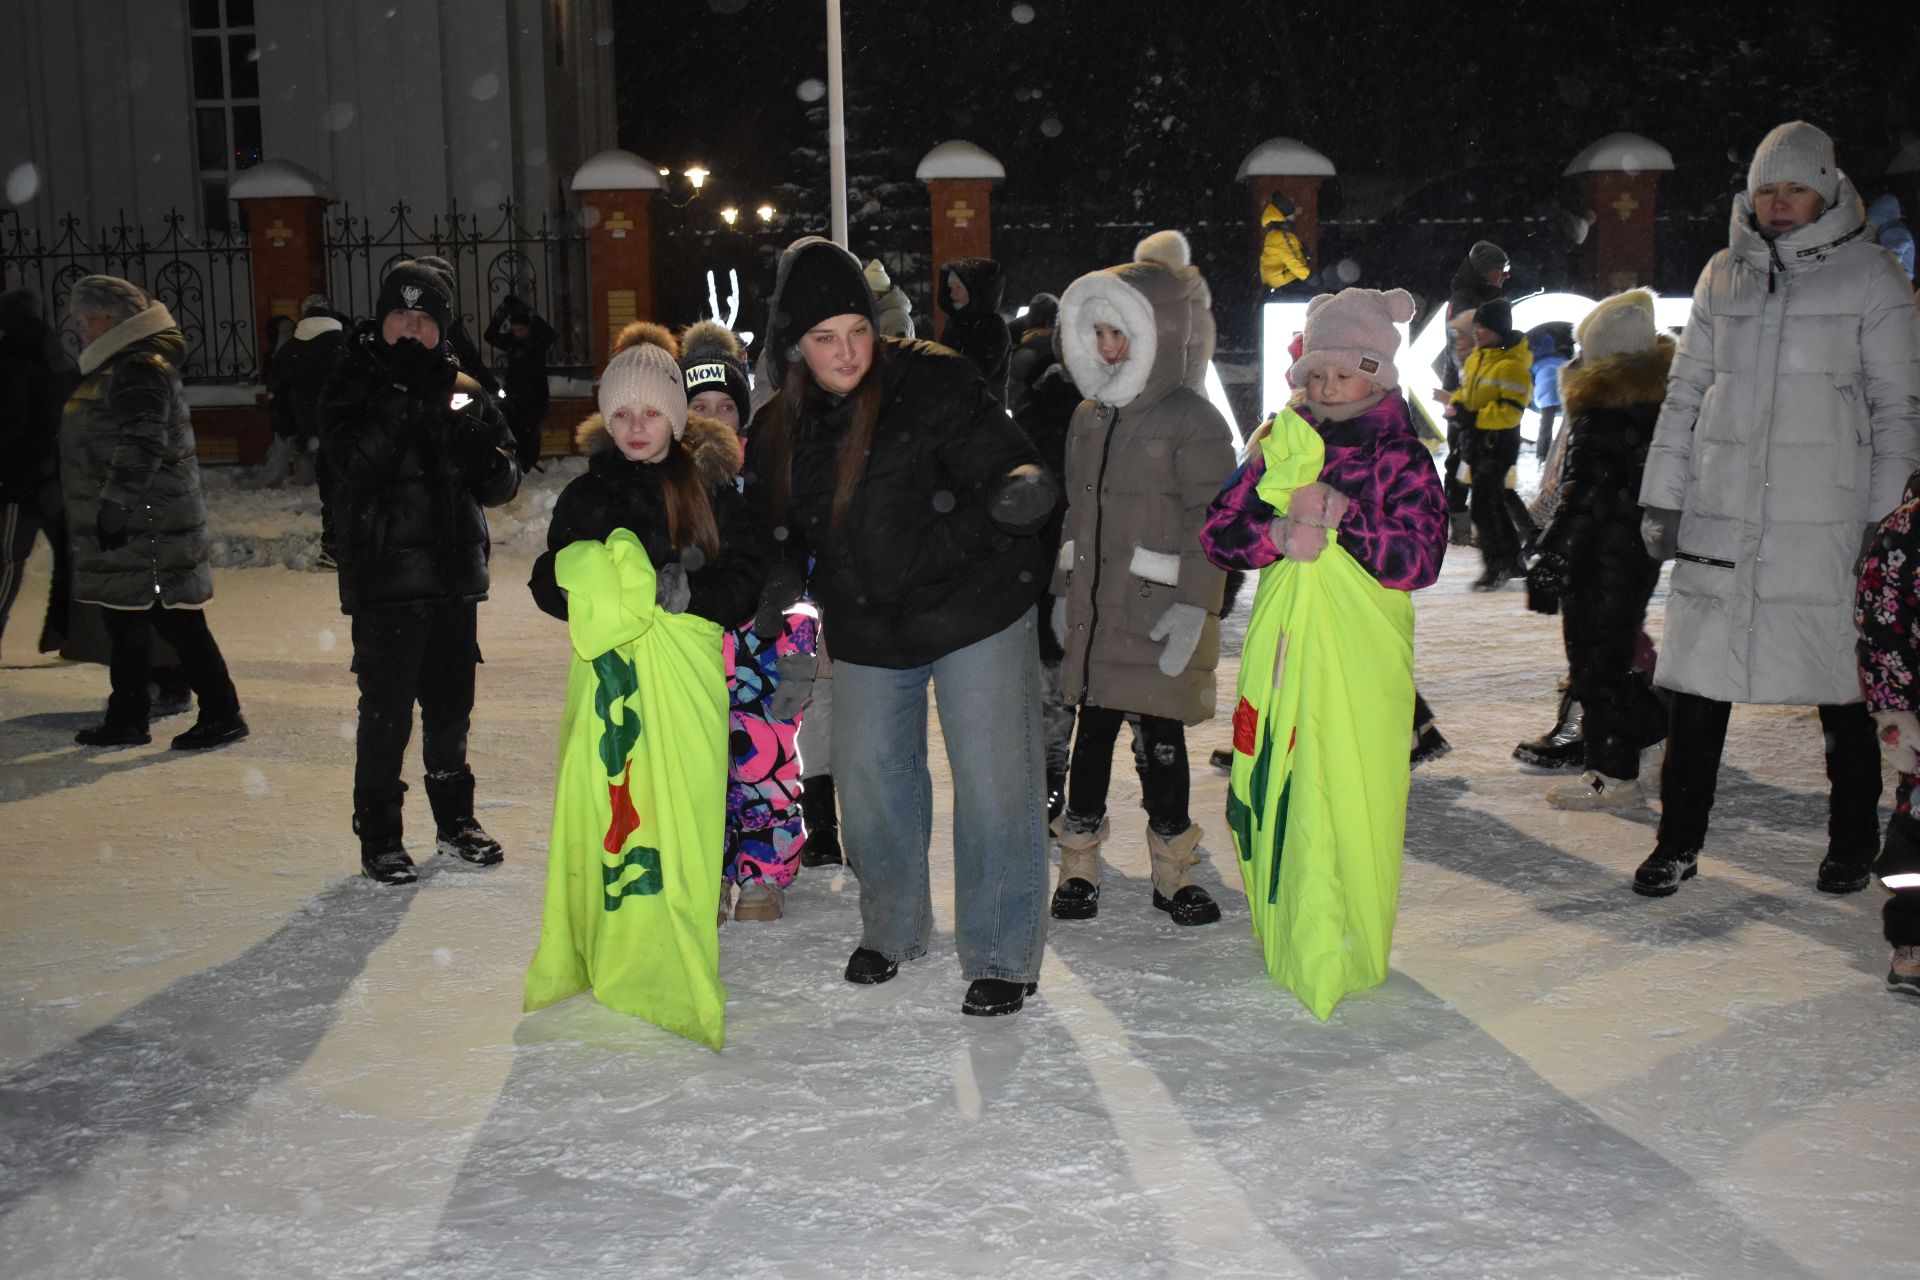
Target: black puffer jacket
616, 493
1611, 406
976, 330
413, 468
299, 372
920, 570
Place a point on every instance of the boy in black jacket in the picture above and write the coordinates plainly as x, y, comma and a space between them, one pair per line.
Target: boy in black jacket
416, 449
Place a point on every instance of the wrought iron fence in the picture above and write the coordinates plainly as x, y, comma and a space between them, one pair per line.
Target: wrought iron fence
544, 266
206, 282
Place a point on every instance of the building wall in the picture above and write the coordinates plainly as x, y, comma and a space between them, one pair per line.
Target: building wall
95, 97
445, 104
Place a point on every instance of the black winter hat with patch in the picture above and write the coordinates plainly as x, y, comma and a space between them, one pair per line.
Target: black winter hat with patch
411, 286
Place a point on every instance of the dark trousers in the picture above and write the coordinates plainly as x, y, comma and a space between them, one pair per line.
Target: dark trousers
1696, 733
1622, 712
1543, 442
1900, 916
323, 480
19, 526
1458, 437
403, 654
1491, 455
1163, 779
131, 633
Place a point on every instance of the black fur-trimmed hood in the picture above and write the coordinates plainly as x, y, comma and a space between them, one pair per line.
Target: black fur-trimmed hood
1631, 380
715, 447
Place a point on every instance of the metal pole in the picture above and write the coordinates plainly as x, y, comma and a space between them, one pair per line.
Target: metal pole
836, 127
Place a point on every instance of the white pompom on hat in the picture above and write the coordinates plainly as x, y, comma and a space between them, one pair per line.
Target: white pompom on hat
1796, 152
877, 278
1354, 329
1168, 248
1618, 326
646, 374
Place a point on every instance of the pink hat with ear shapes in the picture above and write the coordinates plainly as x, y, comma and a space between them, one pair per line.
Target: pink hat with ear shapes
1354, 329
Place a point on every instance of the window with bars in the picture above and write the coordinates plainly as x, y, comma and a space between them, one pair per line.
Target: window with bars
226, 98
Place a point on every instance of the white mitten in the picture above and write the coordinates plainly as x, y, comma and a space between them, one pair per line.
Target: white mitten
1180, 627
1899, 734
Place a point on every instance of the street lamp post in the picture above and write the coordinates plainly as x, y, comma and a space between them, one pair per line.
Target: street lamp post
836, 128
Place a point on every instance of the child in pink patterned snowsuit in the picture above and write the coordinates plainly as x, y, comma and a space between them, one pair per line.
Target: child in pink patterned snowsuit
765, 830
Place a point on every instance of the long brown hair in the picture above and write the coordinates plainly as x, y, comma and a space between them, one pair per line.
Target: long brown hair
784, 414
689, 513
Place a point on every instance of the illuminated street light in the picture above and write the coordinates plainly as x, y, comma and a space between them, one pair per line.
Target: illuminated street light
764, 213
697, 176
729, 214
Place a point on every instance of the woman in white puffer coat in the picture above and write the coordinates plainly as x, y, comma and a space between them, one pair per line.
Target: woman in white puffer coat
1792, 420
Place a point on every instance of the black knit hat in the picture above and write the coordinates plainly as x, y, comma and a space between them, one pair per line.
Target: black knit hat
1496, 315
817, 281
711, 359
410, 286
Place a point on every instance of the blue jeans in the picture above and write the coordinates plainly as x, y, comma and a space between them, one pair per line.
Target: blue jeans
989, 699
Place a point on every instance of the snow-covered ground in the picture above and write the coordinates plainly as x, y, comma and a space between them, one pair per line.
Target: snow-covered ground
225, 1055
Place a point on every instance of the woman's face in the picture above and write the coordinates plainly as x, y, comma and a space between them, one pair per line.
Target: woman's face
1110, 342
1780, 207
641, 432
957, 290
717, 405
838, 352
1330, 384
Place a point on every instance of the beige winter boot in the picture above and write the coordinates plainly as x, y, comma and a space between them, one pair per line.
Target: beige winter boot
1173, 891
1077, 896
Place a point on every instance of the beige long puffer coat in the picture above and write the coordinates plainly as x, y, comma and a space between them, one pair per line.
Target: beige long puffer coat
1145, 455
1792, 420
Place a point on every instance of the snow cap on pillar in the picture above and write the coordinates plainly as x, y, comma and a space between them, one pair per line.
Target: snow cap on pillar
961, 160
279, 179
1621, 153
1284, 158
617, 170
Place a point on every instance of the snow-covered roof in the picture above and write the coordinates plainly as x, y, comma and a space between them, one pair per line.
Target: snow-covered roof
1284, 158
271, 179
959, 159
1907, 161
617, 170
1622, 153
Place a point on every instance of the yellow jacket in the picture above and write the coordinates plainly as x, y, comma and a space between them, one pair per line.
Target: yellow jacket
1495, 385
1283, 259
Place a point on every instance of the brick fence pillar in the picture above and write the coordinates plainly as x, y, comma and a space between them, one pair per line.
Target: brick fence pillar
959, 178
616, 204
1615, 184
285, 209
1290, 168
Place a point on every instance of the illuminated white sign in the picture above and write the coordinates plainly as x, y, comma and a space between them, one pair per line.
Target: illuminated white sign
1283, 321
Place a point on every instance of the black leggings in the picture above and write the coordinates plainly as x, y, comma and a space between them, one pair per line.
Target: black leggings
132, 631
1163, 777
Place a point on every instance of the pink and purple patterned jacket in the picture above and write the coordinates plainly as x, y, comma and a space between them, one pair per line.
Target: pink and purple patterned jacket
1396, 526
1886, 608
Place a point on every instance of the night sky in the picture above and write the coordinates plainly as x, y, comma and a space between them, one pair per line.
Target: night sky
1110, 110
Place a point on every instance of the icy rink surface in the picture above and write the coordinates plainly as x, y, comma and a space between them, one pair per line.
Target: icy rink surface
226, 1055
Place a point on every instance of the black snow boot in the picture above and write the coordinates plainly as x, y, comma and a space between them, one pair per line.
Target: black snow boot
456, 831
1660, 875
383, 857
208, 732
1564, 746
1847, 868
109, 734
822, 817
869, 968
993, 997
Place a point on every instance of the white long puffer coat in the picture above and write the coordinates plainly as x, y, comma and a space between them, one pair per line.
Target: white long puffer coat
1792, 420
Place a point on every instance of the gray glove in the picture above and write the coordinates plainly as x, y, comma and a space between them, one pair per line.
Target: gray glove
670, 589
795, 689
1180, 627
1660, 530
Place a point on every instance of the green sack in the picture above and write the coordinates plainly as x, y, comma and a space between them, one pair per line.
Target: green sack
639, 806
1318, 798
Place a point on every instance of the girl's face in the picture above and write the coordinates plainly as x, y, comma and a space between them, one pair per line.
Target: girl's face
838, 352
641, 432
1330, 384
957, 290
717, 405
1110, 342
1780, 207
